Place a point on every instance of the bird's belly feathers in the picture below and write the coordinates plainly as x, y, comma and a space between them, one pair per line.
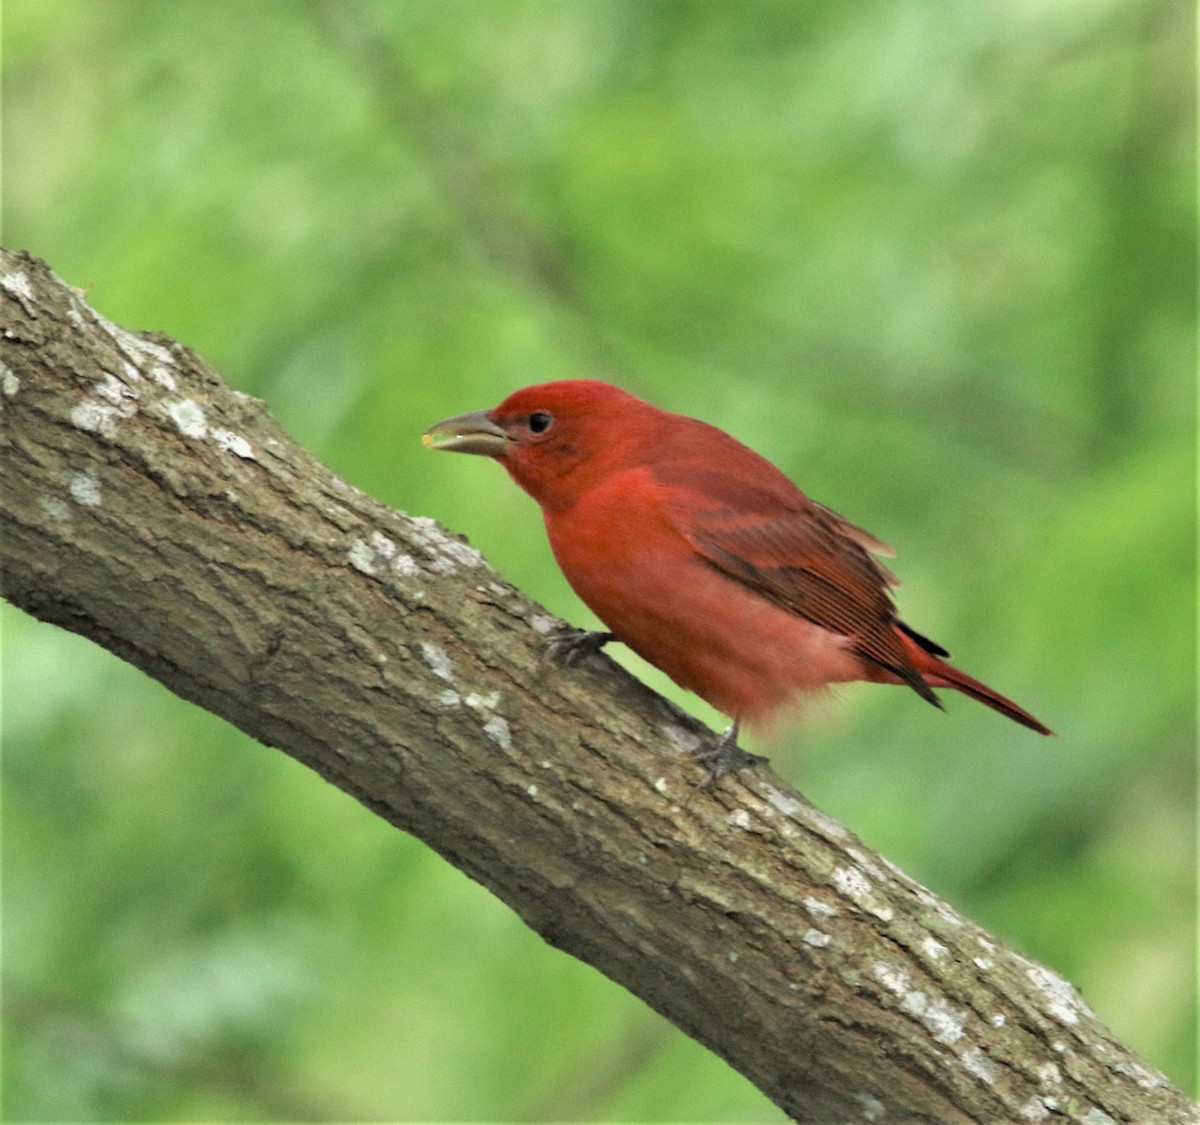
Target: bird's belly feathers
744, 654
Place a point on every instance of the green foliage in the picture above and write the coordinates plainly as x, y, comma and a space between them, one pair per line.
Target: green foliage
934, 260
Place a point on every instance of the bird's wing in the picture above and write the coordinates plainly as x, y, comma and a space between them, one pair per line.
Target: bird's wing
798, 553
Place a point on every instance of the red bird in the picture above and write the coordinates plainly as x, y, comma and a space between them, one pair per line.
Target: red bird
704, 558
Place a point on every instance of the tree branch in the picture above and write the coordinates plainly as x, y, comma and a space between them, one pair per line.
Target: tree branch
168, 518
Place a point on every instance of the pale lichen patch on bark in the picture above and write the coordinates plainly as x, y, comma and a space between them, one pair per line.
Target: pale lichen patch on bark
55, 508
496, 728
1048, 1074
379, 556
819, 909
1063, 1002
163, 377
683, 741
439, 663
1035, 1109
17, 284
235, 443
84, 488
188, 418
872, 1108
946, 1023
977, 1064
820, 821
781, 802
933, 949
448, 553
110, 404
894, 978
870, 868
853, 884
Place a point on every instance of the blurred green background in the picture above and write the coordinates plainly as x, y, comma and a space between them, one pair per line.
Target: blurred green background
934, 259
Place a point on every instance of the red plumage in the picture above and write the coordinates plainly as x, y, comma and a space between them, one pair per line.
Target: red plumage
701, 555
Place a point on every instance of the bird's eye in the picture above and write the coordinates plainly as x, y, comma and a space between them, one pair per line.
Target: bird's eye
540, 422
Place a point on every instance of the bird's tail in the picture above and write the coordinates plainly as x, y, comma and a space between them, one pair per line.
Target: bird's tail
937, 673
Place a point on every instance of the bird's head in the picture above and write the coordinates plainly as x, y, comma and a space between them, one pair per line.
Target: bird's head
555, 439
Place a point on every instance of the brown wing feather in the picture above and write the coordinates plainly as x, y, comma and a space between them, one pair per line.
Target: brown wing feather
798, 553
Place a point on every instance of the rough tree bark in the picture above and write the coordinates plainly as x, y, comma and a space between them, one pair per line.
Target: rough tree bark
167, 517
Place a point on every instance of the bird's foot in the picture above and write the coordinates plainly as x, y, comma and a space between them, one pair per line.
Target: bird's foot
572, 645
728, 757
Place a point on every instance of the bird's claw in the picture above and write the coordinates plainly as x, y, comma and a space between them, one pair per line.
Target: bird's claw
573, 645
728, 757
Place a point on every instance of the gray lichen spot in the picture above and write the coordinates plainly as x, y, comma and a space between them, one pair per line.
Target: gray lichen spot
819, 909
945, 1022
188, 417
1097, 1117
823, 823
872, 1108
18, 284
933, 949
684, 742
739, 818
867, 865
893, 977
235, 443
1145, 1077
162, 376
361, 557
978, 1065
448, 553
10, 383
1063, 1002
406, 566
133, 346
815, 938
439, 663
1048, 1074
55, 508
1035, 1109
96, 417
789, 806
497, 730
374, 557
112, 390
85, 489
852, 883
949, 915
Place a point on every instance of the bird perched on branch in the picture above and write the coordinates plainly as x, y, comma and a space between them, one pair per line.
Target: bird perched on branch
703, 558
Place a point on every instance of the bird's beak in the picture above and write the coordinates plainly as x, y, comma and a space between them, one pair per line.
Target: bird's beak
468, 433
